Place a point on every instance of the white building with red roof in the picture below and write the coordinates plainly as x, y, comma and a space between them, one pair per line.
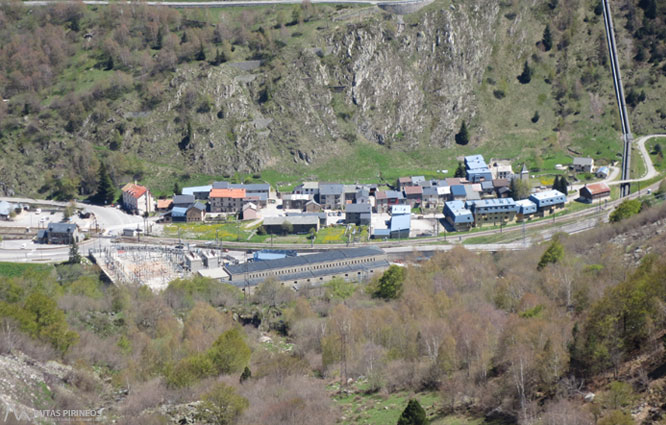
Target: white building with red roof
137, 199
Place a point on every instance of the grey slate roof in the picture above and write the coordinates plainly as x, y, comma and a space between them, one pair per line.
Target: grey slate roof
62, 227
310, 274
331, 189
583, 161
294, 219
331, 255
221, 185
183, 199
199, 206
358, 208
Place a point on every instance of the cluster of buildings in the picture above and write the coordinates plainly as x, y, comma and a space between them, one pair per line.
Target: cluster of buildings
482, 196
462, 215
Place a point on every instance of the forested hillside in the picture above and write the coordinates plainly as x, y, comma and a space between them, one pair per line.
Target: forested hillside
350, 93
488, 338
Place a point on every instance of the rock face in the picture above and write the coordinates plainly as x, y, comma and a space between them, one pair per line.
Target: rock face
403, 82
393, 83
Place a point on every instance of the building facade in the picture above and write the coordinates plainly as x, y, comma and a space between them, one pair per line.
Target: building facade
137, 199
353, 264
226, 200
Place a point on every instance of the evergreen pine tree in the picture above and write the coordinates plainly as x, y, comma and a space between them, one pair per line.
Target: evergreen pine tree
177, 188
564, 185
535, 117
247, 374
413, 414
462, 138
201, 54
547, 39
526, 76
460, 171
74, 256
105, 191
160, 39
556, 183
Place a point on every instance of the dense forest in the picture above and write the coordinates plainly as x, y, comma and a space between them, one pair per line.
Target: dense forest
520, 336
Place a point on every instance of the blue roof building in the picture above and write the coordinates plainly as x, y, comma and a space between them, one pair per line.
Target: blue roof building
526, 207
475, 161
400, 225
199, 192
6, 208
458, 192
497, 210
548, 199
179, 213
478, 174
486, 206
456, 213
381, 233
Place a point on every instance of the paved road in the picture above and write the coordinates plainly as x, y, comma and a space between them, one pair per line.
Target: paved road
651, 172
108, 218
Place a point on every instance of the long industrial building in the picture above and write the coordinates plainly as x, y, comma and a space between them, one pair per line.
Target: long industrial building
312, 269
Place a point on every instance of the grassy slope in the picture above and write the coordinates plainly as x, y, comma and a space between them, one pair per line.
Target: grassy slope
501, 128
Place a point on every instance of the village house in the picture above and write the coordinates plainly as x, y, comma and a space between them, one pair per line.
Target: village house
312, 206
362, 196
594, 191
458, 192
199, 192
291, 224
496, 210
525, 209
476, 169
61, 234
196, 212
307, 188
430, 197
548, 201
183, 200
331, 195
414, 195
293, 201
384, 199
137, 199
583, 165
321, 216
178, 214
226, 200
358, 214
501, 170
403, 182
164, 205
250, 211
6, 209
602, 172
458, 216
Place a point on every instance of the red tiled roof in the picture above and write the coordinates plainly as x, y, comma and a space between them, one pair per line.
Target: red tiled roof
413, 190
597, 188
164, 203
405, 179
227, 193
135, 190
